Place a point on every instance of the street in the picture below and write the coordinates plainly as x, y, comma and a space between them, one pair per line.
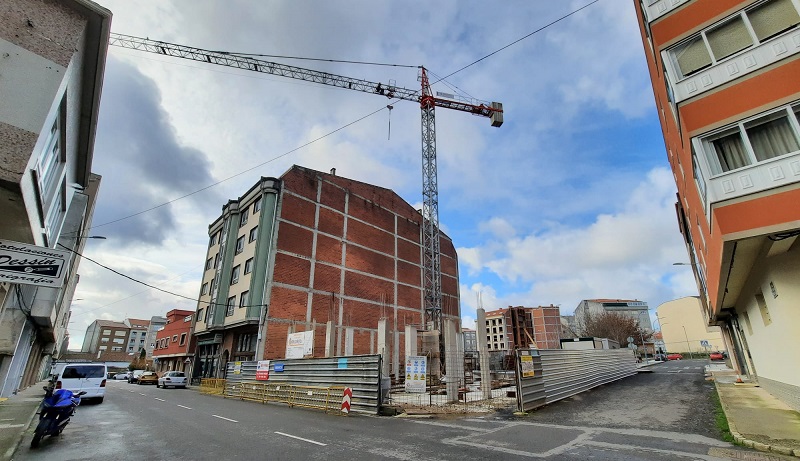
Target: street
663, 415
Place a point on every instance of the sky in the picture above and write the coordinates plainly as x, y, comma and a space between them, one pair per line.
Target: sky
572, 198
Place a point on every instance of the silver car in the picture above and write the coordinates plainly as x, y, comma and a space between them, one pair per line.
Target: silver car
172, 379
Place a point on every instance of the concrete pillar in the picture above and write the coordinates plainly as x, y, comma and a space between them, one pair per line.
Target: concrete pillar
384, 348
411, 341
453, 362
349, 334
483, 354
330, 339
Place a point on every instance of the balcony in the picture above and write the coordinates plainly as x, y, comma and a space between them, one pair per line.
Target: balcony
761, 176
657, 8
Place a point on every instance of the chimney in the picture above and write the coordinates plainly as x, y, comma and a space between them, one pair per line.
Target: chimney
333, 171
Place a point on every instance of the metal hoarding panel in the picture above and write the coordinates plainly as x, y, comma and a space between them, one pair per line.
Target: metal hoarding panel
530, 383
569, 372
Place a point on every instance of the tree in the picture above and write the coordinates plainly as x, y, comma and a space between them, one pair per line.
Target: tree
613, 325
139, 362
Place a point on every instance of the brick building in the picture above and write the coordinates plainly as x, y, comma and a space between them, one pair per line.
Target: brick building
174, 342
725, 79
293, 253
523, 327
106, 335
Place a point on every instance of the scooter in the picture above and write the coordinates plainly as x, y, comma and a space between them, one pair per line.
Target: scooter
56, 410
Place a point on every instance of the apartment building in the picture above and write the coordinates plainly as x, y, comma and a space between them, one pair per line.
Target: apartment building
106, 335
52, 56
174, 343
523, 327
157, 322
638, 310
137, 339
724, 75
296, 252
684, 328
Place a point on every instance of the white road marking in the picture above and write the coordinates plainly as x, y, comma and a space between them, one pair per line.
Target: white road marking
143, 394
184, 407
9, 426
159, 399
226, 419
132, 392
300, 438
674, 371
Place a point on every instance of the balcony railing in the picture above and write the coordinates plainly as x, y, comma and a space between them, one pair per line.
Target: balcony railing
754, 178
657, 8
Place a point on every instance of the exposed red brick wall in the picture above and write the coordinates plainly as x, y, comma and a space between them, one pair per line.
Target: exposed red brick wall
288, 304
326, 277
372, 213
325, 307
371, 237
361, 314
408, 251
366, 287
329, 249
409, 296
370, 261
409, 273
331, 222
300, 183
275, 347
294, 239
409, 230
292, 270
297, 210
333, 196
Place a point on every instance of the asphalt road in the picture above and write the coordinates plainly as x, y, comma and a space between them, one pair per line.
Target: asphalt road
628, 420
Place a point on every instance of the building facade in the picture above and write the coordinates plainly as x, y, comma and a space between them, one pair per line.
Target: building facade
52, 55
724, 76
106, 335
137, 339
683, 327
174, 343
638, 310
156, 323
523, 327
296, 252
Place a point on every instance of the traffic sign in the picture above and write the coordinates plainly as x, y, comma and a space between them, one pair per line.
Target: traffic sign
704, 343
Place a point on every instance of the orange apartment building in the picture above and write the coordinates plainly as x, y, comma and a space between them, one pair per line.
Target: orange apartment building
726, 79
174, 348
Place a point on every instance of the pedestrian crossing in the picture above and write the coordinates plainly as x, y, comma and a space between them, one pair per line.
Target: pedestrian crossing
684, 368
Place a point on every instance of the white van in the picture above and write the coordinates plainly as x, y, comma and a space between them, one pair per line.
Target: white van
88, 377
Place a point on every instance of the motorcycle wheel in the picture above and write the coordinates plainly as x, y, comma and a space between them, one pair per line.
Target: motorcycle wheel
37, 437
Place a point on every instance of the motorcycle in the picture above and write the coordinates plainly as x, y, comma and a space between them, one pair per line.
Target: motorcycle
57, 407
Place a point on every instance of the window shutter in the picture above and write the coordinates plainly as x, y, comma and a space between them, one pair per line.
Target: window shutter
729, 38
772, 18
692, 56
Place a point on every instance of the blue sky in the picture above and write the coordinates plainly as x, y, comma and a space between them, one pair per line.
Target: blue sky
571, 198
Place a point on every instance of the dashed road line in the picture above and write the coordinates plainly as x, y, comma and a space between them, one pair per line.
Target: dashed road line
674, 371
162, 400
300, 438
143, 394
184, 407
226, 419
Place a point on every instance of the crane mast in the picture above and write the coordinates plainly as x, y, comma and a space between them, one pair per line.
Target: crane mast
427, 101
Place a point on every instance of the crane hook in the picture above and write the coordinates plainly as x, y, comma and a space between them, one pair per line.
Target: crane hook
390, 107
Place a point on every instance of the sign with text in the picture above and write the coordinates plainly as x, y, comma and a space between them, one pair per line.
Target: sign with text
416, 373
527, 366
237, 368
299, 345
262, 370
32, 265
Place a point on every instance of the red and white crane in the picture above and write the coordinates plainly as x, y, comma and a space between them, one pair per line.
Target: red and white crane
427, 102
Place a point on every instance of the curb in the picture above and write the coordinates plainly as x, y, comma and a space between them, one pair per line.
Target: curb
12, 450
741, 440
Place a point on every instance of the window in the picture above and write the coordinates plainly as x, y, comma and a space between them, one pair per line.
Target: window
106, 332
119, 341
253, 234
762, 307
243, 217
208, 263
103, 340
213, 240
116, 349
235, 275
248, 266
257, 205
240, 244
174, 338
244, 299
183, 339
733, 35
204, 289
751, 141
216, 260
188, 318
229, 306
120, 333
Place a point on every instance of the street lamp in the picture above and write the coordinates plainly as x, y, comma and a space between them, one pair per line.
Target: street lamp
687, 342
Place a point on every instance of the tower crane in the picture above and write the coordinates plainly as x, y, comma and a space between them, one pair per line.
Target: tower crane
427, 102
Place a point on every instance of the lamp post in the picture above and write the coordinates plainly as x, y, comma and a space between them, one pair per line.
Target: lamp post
687, 342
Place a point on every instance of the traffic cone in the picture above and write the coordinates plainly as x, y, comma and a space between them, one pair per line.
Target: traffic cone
739, 379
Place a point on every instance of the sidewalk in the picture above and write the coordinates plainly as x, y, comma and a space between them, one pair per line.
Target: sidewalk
756, 418
16, 414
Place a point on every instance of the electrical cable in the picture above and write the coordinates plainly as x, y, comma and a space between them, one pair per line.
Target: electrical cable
368, 63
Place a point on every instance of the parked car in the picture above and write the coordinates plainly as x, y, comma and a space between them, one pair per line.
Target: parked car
172, 379
716, 356
148, 377
121, 376
89, 378
674, 357
133, 376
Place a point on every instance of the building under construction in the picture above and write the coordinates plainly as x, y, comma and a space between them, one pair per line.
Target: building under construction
297, 252
523, 328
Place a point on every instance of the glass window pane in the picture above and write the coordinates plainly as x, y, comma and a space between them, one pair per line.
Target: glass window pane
772, 136
730, 151
729, 38
692, 56
772, 18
